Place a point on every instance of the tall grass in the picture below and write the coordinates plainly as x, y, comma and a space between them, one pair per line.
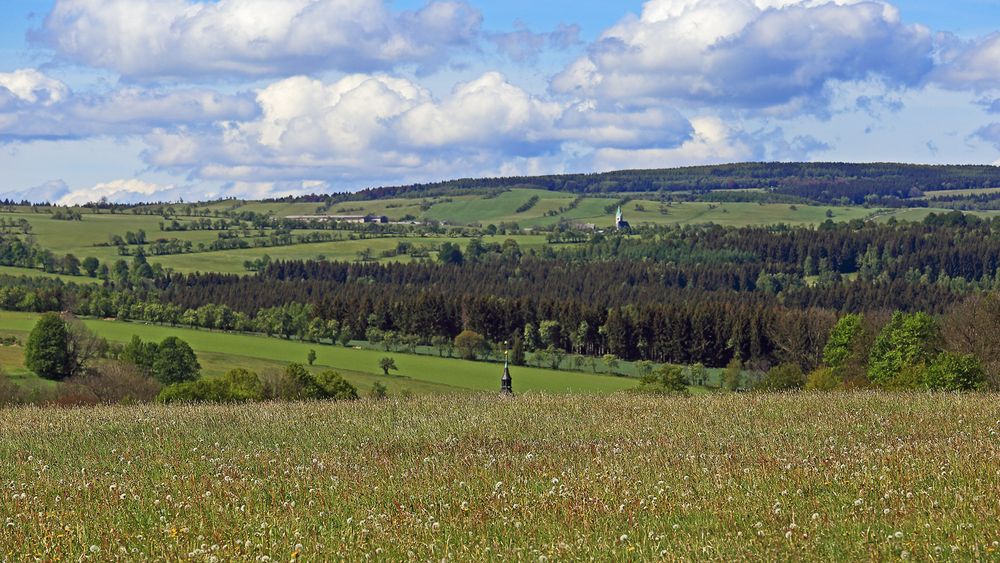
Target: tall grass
622, 477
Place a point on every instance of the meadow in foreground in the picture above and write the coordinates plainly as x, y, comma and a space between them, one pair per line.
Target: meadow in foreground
805, 476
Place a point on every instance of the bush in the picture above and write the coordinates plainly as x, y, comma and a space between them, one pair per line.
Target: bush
823, 379
10, 392
118, 382
469, 344
237, 386
954, 372
666, 380
785, 377
908, 342
732, 376
336, 387
378, 391
297, 383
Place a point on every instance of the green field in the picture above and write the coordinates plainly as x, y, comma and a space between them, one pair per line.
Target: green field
473, 209
231, 261
803, 477
221, 352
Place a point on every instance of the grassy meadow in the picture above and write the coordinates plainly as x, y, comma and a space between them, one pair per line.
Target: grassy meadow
219, 352
806, 477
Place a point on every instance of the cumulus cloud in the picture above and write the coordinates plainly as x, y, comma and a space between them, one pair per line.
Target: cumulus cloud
969, 65
712, 141
376, 126
35, 106
748, 54
30, 87
150, 39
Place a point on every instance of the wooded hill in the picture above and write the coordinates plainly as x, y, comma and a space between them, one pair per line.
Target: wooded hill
820, 182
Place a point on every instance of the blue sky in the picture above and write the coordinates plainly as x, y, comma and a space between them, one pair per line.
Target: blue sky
138, 100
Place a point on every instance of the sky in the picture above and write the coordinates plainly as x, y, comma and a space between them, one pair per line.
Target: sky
167, 100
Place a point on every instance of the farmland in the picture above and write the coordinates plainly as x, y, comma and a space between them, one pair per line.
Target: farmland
724, 477
89, 237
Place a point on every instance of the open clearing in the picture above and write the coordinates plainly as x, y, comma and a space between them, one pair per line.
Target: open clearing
219, 352
854, 476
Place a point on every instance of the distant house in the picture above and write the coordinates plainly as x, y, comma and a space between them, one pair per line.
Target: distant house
342, 218
620, 223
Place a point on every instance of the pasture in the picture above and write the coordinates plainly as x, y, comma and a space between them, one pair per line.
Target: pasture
219, 352
475, 209
805, 477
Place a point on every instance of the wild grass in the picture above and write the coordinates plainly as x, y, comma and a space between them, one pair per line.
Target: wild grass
622, 477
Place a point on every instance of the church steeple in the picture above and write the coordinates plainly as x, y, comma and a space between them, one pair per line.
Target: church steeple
618, 216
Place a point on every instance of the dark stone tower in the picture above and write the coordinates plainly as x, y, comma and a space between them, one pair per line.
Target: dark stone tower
505, 381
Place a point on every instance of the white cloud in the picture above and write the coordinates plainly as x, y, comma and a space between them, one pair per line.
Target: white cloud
712, 141
974, 65
41, 107
28, 86
381, 128
146, 39
748, 54
128, 191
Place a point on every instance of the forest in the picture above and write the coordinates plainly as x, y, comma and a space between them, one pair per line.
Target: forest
886, 184
760, 297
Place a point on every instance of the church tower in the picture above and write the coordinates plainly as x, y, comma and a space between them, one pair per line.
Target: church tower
620, 223
506, 386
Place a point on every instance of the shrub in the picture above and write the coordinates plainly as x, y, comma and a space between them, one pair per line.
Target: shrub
954, 372
732, 376
236, 386
784, 377
243, 385
336, 387
118, 382
278, 385
378, 391
907, 342
823, 379
10, 392
664, 381
469, 344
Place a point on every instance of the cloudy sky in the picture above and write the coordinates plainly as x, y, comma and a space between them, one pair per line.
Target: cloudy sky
140, 100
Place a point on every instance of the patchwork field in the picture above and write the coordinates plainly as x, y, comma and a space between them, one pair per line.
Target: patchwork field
806, 477
473, 209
